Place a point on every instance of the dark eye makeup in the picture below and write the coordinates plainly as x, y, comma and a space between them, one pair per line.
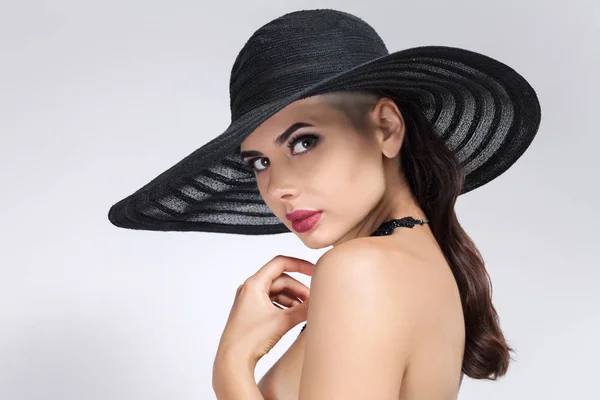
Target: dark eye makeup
290, 145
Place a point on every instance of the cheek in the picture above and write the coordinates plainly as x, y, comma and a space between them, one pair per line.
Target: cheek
352, 185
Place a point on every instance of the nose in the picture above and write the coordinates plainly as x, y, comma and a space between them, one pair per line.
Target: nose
282, 183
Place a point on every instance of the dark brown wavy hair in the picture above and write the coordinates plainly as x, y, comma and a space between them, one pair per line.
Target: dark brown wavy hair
435, 178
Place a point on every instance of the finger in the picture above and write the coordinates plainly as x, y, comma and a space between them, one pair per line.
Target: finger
296, 314
285, 300
280, 264
291, 286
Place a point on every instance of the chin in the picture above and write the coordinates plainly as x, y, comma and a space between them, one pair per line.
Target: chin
316, 246
315, 242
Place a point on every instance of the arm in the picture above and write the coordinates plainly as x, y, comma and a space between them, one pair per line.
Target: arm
362, 325
282, 380
233, 379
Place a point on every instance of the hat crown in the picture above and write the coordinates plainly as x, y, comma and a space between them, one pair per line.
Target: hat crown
297, 50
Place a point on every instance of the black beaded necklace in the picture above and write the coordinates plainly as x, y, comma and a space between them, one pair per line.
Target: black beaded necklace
388, 227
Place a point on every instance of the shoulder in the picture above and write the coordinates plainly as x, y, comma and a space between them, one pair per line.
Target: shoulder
368, 258
381, 282
363, 320
376, 284
360, 249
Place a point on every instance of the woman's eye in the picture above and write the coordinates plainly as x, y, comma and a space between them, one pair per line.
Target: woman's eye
253, 164
301, 140
296, 144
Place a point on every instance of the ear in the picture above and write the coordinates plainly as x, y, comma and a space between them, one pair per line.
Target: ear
389, 126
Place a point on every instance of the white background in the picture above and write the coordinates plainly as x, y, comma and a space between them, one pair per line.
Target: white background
96, 99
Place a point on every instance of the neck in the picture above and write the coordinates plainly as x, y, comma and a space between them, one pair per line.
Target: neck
397, 202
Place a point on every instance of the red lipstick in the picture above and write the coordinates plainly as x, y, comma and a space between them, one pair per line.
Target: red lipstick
306, 224
299, 214
303, 220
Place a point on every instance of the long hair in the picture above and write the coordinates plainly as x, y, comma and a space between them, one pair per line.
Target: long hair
435, 178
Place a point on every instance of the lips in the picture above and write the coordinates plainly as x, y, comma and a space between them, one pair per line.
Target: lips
306, 224
300, 214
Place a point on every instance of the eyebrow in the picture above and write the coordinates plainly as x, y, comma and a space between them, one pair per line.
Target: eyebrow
279, 140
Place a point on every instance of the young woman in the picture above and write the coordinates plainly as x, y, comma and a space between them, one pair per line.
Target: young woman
346, 145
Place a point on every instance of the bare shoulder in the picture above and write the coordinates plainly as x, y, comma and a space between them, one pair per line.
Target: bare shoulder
419, 281
370, 304
380, 279
359, 254
377, 257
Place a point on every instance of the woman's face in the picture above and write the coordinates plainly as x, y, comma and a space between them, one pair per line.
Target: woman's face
325, 165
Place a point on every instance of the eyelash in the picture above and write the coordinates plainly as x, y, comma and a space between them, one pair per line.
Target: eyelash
290, 145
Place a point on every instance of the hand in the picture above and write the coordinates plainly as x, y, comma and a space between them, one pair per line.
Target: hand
255, 323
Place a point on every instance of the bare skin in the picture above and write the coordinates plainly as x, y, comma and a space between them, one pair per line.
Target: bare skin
356, 181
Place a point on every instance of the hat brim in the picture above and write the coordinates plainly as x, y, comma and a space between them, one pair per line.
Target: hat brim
487, 113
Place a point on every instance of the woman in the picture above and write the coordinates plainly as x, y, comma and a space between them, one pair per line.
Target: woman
344, 144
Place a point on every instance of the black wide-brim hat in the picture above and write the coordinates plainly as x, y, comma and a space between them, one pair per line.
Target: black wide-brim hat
486, 112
